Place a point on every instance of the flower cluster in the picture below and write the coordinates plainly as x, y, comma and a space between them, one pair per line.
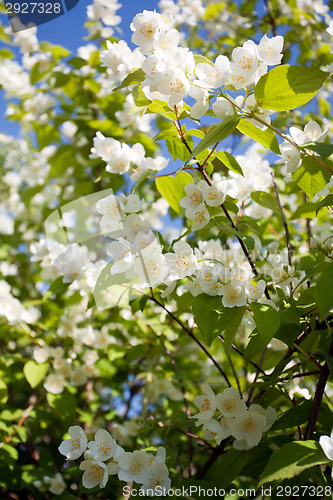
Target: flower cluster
120, 157
103, 12
246, 425
104, 457
55, 485
171, 72
136, 252
290, 153
13, 309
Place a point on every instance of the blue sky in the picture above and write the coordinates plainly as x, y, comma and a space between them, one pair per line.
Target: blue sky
68, 31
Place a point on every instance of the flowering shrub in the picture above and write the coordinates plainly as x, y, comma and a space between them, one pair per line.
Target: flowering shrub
166, 254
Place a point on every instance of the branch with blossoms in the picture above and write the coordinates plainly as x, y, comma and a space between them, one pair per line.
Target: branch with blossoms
174, 323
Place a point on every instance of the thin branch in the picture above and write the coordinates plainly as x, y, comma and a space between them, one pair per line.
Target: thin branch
271, 17
256, 376
187, 409
193, 337
235, 375
286, 228
284, 220
323, 377
241, 354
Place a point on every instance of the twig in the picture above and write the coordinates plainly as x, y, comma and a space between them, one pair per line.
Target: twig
193, 337
241, 354
323, 376
286, 228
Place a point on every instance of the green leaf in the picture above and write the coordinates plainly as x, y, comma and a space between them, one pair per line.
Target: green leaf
297, 415
177, 148
46, 135
34, 372
322, 148
291, 459
231, 327
229, 466
140, 100
307, 209
326, 202
64, 404
266, 318
265, 200
324, 291
311, 177
6, 53
166, 134
213, 9
198, 59
136, 77
3, 392
77, 62
172, 189
288, 87
266, 137
230, 162
212, 318
60, 79
216, 134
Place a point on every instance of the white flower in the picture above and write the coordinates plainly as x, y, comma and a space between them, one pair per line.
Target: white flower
132, 203
104, 446
54, 383
227, 423
57, 485
212, 195
95, 473
133, 467
214, 76
213, 429
157, 476
113, 466
72, 262
254, 292
104, 147
291, 155
326, 442
77, 376
181, 263
155, 70
195, 197
222, 107
41, 354
112, 210
74, 447
208, 275
230, 403
175, 85
133, 224
270, 49
201, 97
199, 215
167, 40
120, 252
252, 107
151, 268
233, 294
206, 405
146, 29
244, 65
314, 132
269, 413
249, 426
